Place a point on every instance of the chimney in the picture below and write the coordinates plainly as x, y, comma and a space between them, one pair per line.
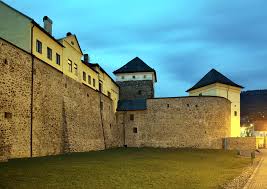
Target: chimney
48, 24
86, 58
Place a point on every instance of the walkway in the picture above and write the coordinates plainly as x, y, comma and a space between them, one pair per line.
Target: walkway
259, 180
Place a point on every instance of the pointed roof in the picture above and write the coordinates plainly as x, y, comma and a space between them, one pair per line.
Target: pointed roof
135, 65
213, 76
69, 34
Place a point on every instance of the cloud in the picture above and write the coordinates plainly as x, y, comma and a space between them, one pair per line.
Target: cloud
182, 40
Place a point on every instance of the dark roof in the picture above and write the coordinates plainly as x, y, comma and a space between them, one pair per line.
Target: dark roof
213, 76
128, 105
135, 65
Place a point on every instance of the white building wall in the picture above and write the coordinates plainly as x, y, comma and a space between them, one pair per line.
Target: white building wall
135, 76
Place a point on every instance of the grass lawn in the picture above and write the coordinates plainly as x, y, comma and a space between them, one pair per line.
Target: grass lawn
124, 168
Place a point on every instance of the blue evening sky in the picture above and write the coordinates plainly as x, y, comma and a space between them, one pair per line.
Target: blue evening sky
182, 39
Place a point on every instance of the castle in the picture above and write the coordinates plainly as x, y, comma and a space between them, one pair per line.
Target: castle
52, 102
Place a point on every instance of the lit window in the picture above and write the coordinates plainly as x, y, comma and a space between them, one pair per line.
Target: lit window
39, 46
70, 65
57, 59
75, 69
135, 130
131, 117
84, 76
49, 53
94, 82
89, 79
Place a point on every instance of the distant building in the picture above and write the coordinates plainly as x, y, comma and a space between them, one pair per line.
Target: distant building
216, 84
136, 80
254, 112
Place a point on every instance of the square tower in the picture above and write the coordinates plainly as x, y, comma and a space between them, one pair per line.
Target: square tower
136, 80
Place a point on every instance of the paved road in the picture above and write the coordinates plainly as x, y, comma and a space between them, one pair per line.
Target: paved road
259, 181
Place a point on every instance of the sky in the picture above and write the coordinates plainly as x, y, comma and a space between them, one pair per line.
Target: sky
182, 40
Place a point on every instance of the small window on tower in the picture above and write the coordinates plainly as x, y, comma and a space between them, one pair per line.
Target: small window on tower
139, 92
133, 76
131, 117
235, 113
135, 130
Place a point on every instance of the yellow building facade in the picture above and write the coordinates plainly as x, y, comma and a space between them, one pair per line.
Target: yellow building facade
63, 54
46, 48
216, 84
107, 85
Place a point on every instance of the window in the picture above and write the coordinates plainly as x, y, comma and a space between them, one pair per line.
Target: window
235, 113
109, 94
70, 65
94, 82
39, 46
133, 76
57, 59
131, 117
75, 69
84, 76
200, 94
8, 115
135, 130
139, 92
49, 53
144, 76
168, 105
89, 79
100, 87
122, 77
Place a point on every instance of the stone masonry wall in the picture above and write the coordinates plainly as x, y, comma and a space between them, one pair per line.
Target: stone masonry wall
66, 115
240, 143
197, 122
130, 89
15, 101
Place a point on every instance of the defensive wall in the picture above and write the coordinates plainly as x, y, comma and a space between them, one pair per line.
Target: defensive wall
195, 122
44, 112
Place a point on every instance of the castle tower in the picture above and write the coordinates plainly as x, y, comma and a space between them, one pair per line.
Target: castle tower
216, 84
136, 80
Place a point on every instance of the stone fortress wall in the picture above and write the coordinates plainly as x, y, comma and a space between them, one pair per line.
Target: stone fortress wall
195, 122
62, 114
43, 112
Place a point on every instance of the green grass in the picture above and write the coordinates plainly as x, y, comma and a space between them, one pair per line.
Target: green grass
125, 168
